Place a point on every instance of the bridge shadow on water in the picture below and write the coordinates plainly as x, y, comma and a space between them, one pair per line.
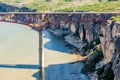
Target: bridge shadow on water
54, 43
23, 66
19, 66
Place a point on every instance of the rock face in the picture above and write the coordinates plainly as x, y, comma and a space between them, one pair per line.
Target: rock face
89, 31
110, 43
105, 31
74, 41
108, 33
93, 76
106, 42
86, 31
116, 60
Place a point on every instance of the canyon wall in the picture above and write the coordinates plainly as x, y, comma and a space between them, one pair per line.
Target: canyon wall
116, 59
88, 31
101, 27
94, 36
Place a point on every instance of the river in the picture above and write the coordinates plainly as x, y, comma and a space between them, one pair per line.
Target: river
58, 62
19, 59
18, 52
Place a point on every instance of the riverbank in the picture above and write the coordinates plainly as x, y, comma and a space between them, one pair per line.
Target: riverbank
59, 63
73, 41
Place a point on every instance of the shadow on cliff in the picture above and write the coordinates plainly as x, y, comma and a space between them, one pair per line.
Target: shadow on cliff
54, 43
10, 8
23, 66
67, 71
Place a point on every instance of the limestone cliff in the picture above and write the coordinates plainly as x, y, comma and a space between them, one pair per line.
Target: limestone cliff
100, 42
106, 32
109, 41
116, 59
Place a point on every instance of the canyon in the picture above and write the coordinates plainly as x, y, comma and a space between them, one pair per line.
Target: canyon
100, 42
96, 36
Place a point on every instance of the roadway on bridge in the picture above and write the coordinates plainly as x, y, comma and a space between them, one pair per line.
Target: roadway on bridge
18, 52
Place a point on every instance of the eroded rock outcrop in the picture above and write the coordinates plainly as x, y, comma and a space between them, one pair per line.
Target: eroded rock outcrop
116, 60
108, 33
110, 44
101, 40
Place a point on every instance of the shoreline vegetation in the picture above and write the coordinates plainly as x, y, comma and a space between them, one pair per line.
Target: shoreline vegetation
67, 5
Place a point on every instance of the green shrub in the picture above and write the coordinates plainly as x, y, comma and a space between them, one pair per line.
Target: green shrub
63, 35
105, 75
91, 44
100, 70
97, 7
90, 65
108, 76
67, 5
115, 18
119, 55
112, 0
101, 35
76, 34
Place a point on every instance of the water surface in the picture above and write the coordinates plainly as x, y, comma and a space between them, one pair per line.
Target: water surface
18, 52
59, 63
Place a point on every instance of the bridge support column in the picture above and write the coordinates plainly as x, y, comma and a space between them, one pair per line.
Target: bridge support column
41, 56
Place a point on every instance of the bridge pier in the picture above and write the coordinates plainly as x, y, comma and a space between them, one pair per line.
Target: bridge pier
41, 56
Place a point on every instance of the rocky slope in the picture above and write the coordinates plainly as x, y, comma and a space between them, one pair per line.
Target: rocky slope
101, 43
116, 59
108, 33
